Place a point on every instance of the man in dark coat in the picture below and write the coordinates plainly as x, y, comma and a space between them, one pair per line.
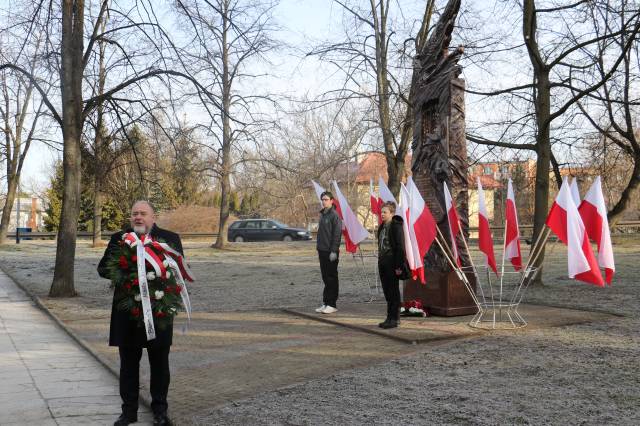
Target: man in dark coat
328, 246
129, 335
391, 259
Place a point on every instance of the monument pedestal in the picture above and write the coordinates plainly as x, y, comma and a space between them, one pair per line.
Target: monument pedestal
443, 294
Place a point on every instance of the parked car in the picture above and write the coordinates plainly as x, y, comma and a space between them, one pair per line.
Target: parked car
264, 230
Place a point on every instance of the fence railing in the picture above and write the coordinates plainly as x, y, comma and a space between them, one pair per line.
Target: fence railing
628, 227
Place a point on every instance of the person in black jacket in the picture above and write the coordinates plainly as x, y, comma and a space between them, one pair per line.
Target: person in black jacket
391, 257
328, 245
130, 337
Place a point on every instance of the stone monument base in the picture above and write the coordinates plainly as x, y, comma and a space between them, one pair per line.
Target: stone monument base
443, 294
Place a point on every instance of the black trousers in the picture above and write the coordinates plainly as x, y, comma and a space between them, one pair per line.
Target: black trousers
329, 272
130, 377
390, 287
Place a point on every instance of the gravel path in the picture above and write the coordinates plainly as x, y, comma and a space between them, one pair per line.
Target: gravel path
582, 374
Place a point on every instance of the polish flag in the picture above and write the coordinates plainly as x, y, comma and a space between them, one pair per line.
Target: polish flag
319, 190
353, 231
422, 227
512, 242
575, 191
593, 212
409, 250
564, 220
485, 240
385, 193
452, 216
375, 203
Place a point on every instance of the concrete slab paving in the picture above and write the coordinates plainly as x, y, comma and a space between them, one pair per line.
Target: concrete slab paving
46, 378
365, 317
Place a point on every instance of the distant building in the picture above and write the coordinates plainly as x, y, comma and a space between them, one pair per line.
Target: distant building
30, 212
354, 179
493, 177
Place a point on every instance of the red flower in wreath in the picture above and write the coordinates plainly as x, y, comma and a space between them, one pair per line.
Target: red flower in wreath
135, 311
134, 258
127, 286
178, 289
123, 262
160, 314
136, 282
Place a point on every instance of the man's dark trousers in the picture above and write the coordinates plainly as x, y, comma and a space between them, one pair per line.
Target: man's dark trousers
390, 287
130, 377
329, 271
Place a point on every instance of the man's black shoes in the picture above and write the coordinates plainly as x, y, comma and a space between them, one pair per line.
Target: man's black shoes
125, 419
389, 323
161, 420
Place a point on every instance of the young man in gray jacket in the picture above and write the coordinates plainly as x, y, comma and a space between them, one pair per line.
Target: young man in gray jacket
328, 245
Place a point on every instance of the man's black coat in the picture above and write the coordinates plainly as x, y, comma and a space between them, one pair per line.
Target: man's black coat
125, 331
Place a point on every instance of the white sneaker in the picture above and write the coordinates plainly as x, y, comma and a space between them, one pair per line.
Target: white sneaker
321, 308
329, 310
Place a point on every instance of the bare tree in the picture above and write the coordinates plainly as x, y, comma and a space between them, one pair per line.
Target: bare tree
613, 109
375, 53
70, 57
21, 111
562, 74
319, 144
228, 37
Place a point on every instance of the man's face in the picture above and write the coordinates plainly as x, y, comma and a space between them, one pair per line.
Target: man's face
326, 201
142, 217
386, 214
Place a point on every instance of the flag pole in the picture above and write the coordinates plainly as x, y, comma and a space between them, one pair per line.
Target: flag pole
448, 253
532, 259
532, 253
504, 249
473, 266
460, 274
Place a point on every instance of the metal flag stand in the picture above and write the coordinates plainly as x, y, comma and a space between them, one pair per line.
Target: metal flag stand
365, 278
501, 311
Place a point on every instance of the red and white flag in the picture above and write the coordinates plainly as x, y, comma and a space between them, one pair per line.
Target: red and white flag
403, 211
593, 212
452, 216
422, 227
564, 220
352, 230
575, 191
485, 239
375, 202
319, 190
385, 193
512, 241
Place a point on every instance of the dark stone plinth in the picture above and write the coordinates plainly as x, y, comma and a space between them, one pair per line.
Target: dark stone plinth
443, 294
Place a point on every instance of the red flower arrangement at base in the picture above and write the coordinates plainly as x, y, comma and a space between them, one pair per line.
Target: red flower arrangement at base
414, 308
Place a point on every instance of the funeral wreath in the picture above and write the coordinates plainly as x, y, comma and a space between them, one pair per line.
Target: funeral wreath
163, 271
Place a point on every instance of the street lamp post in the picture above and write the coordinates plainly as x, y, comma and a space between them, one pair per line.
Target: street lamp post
18, 217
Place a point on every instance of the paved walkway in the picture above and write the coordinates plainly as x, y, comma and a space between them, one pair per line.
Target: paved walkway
46, 378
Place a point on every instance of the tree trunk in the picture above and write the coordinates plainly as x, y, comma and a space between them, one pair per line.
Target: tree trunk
71, 89
97, 213
384, 110
543, 142
99, 150
542, 101
8, 206
627, 195
225, 181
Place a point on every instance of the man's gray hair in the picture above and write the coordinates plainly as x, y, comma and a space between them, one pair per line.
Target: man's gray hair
147, 202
